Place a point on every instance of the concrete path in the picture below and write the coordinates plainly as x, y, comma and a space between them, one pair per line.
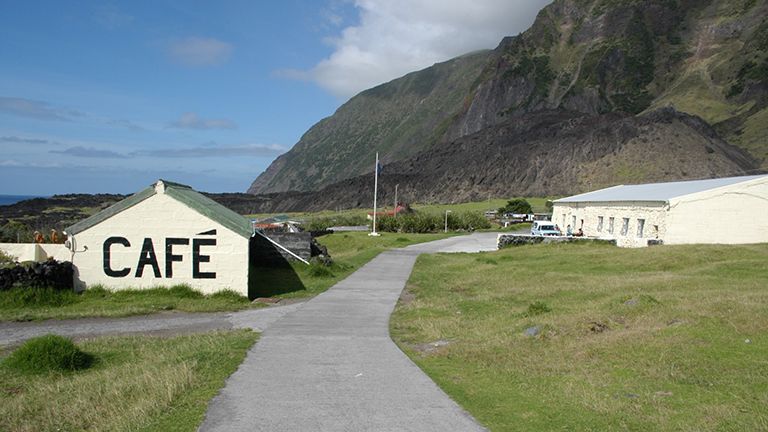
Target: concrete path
331, 365
162, 323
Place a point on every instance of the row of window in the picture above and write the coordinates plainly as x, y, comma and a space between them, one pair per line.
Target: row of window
624, 226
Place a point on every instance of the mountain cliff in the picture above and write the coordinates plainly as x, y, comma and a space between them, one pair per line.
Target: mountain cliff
596, 92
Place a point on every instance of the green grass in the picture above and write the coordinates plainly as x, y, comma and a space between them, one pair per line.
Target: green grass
48, 353
137, 383
661, 338
45, 303
349, 250
538, 205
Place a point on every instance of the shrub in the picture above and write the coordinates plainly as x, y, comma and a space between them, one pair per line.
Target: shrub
468, 221
6, 260
325, 222
416, 222
420, 223
517, 206
317, 269
48, 353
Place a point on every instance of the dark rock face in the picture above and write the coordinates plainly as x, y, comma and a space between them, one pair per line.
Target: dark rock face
545, 153
583, 61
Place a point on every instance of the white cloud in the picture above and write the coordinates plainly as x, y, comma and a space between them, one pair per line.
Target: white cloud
196, 51
208, 150
35, 109
191, 120
395, 37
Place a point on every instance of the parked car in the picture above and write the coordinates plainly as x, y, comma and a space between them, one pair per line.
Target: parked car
544, 228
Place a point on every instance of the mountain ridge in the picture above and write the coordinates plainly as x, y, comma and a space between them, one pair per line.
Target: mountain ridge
604, 60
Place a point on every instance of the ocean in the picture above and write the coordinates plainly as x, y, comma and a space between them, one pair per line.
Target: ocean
13, 199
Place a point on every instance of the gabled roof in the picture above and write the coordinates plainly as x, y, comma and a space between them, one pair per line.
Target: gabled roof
182, 193
656, 192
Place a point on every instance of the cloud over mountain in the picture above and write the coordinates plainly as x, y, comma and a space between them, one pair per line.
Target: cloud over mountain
395, 37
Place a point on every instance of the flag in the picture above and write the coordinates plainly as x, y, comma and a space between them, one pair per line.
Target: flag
379, 167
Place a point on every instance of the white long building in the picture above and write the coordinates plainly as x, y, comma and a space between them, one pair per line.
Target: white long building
729, 210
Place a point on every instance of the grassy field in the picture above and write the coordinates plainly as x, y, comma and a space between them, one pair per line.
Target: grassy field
591, 337
349, 250
137, 383
538, 205
37, 304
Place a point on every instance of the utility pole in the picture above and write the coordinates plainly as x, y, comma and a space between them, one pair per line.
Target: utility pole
375, 193
396, 199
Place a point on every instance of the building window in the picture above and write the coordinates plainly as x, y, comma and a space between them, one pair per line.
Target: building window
563, 221
599, 224
610, 225
573, 222
640, 226
624, 226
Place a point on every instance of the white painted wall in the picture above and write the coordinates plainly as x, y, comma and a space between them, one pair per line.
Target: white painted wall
36, 251
653, 214
735, 214
158, 218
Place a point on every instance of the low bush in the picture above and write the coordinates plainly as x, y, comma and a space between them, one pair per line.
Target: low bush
317, 269
423, 222
325, 222
49, 353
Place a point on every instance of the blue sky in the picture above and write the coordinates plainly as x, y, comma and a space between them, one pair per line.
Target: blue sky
109, 96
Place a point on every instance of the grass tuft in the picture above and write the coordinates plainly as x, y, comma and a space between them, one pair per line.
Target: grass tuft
537, 308
139, 383
48, 353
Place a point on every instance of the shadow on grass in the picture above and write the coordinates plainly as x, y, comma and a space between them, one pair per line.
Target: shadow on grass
270, 274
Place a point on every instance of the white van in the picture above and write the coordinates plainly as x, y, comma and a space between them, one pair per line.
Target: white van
544, 228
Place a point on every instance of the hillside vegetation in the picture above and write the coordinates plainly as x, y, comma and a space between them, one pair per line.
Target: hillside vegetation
596, 92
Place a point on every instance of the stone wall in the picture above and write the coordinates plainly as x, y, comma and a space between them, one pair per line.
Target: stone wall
53, 274
510, 240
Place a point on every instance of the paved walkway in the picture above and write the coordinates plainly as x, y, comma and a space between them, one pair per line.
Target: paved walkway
331, 365
162, 323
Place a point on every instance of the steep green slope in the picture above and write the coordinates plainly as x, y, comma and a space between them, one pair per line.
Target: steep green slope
398, 119
708, 58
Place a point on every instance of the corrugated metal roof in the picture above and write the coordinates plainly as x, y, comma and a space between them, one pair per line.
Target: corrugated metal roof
182, 193
657, 192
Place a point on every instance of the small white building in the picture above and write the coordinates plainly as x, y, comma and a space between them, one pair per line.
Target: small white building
164, 235
729, 210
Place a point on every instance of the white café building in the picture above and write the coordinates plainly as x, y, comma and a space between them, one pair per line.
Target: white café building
731, 210
164, 235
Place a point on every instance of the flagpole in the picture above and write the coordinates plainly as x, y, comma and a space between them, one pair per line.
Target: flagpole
375, 193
